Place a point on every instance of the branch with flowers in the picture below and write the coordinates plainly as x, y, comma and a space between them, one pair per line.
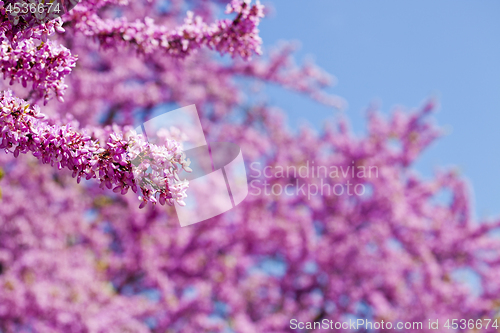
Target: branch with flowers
29, 56
111, 162
237, 37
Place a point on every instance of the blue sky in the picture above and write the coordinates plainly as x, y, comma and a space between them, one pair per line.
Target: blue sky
401, 53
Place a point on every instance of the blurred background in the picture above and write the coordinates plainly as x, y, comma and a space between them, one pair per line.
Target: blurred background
390, 53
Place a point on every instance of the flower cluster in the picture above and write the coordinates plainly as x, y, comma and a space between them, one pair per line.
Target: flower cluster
237, 37
156, 167
26, 14
45, 65
29, 56
110, 162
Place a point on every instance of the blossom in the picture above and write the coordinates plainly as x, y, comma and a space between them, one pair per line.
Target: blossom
77, 258
28, 56
237, 37
23, 130
44, 65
